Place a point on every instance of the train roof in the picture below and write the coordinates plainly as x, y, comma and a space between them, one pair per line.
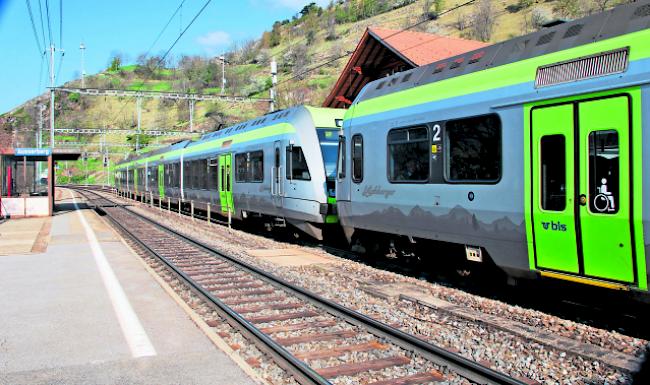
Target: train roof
618, 21
322, 117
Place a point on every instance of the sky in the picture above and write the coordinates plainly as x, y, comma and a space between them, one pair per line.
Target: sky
129, 27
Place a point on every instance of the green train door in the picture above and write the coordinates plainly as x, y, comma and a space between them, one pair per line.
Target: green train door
135, 180
581, 211
161, 180
225, 183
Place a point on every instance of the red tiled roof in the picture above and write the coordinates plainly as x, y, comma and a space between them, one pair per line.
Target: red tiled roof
424, 48
382, 51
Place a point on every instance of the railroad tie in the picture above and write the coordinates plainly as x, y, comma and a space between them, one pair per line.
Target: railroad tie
316, 337
359, 367
338, 351
419, 378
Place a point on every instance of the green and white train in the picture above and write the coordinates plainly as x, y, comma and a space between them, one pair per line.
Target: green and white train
533, 152
278, 168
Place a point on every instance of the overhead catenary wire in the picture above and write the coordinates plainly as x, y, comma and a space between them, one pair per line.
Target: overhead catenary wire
396, 33
40, 11
426, 20
49, 23
182, 33
31, 19
60, 23
164, 28
124, 104
348, 53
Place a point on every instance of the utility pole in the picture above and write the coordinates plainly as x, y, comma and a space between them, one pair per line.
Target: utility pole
41, 124
105, 157
223, 73
52, 96
82, 47
191, 114
137, 136
274, 82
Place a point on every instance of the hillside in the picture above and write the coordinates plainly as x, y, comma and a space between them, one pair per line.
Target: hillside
311, 50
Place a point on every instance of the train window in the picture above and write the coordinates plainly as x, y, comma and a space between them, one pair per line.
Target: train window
153, 177
256, 166
249, 167
408, 155
473, 149
177, 175
328, 140
357, 158
213, 174
553, 172
187, 177
197, 174
240, 167
297, 164
190, 167
341, 160
604, 172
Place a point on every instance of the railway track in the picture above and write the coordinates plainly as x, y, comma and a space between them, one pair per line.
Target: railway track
316, 340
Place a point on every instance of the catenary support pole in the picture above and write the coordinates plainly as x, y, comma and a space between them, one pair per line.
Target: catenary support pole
274, 82
52, 96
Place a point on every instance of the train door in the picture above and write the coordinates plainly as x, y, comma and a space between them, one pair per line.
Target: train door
225, 183
276, 175
161, 180
135, 180
581, 188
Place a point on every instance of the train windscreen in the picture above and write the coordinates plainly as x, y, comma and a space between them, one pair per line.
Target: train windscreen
329, 141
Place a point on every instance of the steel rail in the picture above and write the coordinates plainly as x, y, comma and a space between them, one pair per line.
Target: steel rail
462, 366
301, 372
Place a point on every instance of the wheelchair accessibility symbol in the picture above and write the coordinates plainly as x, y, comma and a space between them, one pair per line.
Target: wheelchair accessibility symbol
604, 200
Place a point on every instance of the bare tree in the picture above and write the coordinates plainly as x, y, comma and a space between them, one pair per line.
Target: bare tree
602, 4
298, 59
426, 15
539, 17
483, 20
571, 8
331, 29
461, 22
290, 96
535, 20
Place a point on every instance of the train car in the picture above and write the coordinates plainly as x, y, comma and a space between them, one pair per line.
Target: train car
279, 168
529, 153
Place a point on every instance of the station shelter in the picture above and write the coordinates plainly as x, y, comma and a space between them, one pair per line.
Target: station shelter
27, 180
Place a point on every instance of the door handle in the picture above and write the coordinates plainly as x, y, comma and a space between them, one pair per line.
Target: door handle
583, 200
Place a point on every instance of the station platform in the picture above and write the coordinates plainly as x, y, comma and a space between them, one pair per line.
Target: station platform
78, 307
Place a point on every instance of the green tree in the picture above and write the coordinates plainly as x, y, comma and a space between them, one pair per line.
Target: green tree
569, 8
439, 6
116, 63
276, 37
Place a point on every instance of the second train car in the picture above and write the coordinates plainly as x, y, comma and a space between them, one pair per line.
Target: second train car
279, 168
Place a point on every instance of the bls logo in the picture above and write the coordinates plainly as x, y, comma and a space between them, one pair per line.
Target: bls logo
554, 226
